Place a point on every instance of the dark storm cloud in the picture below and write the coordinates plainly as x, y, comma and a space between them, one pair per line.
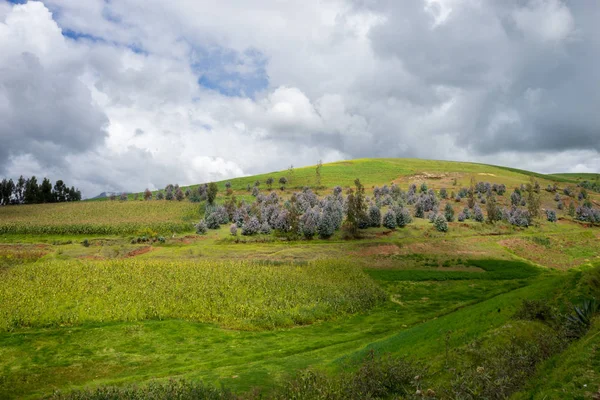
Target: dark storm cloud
523, 86
45, 113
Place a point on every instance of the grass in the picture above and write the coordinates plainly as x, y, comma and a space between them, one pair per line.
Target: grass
490, 270
240, 295
98, 217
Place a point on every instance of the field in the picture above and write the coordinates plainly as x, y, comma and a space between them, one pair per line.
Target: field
90, 299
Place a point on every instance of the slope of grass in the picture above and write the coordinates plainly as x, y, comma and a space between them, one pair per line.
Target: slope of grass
574, 374
578, 176
383, 171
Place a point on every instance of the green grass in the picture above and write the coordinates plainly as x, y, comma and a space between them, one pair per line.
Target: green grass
574, 374
238, 295
493, 270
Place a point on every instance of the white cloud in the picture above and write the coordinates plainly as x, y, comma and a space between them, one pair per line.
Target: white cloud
133, 94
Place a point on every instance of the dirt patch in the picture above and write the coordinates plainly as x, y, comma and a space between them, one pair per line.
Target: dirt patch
485, 173
381, 250
383, 234
138, 252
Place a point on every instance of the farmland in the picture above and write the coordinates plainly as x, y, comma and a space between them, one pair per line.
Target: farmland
91, 299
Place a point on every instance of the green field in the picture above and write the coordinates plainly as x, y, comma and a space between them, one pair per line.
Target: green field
86, 305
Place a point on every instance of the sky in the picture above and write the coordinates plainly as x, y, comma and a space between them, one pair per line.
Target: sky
123, 95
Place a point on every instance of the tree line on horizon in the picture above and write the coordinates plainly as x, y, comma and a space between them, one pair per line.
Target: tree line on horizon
29, 191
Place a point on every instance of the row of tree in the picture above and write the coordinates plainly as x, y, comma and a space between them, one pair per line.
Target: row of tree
29, 191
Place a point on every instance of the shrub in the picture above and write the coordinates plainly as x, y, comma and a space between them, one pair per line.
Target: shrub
571, 209
457, 199
441, 224
560, 206
419, 210
201, 227
255, 191
501, 189
374, 216
478, 214
423, 187
328, 223
403, 218
233, 229
515, 198
449, 212
179, 195
251, 227
443, 193
147, 194
212, 221
551, 215
557, 197
309, 222
265, 228
432, 216
389, 219
517, 216
123, 197
160, 196
461, 216
467, 212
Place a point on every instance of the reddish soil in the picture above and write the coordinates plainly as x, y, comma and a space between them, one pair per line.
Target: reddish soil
138, 252
381, 250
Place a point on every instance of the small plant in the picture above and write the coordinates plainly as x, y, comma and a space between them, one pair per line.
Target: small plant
85, 243
551, 215
251, 227
233, 229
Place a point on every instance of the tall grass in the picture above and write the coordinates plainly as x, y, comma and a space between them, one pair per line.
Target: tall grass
239, 295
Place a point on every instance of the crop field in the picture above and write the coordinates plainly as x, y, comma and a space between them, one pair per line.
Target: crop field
98, 218
237, 295
90, 306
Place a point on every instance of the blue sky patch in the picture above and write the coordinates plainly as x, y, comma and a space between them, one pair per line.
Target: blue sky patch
231, 73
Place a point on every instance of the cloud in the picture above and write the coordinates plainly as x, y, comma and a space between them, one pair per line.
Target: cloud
133, 94
45, 110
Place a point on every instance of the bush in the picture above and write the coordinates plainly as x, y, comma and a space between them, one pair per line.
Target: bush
403, 218
441, 224
212, 221
443, 193
201, 227
515, 198
389, 219
551, 215
233, 229
461, 217
309, 222
449, 212
251, 227
255, 191
419, 210
374, 216
265, 228
517, 216
478, 214
328, 223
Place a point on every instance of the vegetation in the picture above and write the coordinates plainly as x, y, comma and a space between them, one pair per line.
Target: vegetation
155, 299
28, 191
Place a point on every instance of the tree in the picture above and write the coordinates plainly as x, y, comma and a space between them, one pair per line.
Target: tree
60, 191
440, 223
356, 212
147, 194
449, 212
123, 197
374, 216
269, 182
6, 190
46, 191
211, 193
290, 174
31, 194
318, 173
471, 199
533, 198
283, 181
390, 220
492, 210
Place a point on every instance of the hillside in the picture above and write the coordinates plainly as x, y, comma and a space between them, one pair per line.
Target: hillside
131, 293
